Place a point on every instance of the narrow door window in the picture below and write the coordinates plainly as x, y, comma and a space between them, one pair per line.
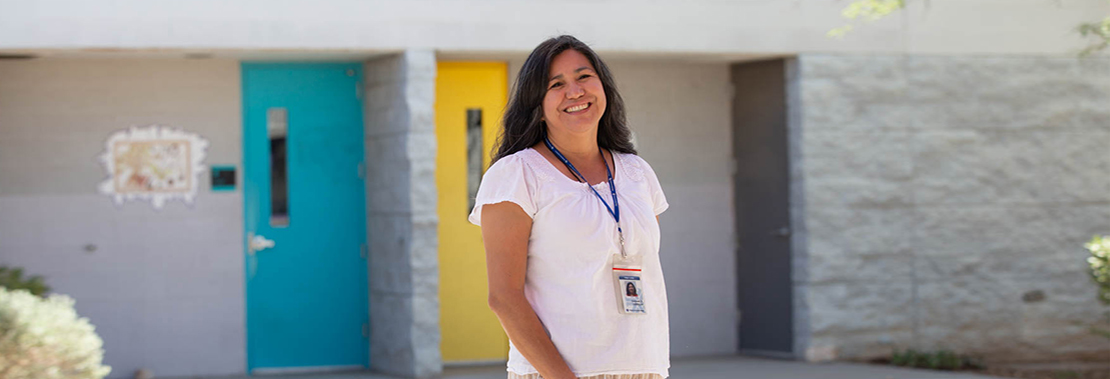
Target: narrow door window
276, 128
473, 153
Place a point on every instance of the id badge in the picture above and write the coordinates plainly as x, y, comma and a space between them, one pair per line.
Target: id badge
627, 273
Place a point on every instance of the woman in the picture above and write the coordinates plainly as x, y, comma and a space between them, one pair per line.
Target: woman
568, 210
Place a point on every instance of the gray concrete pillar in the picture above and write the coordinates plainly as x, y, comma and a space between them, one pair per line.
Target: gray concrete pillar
398, 100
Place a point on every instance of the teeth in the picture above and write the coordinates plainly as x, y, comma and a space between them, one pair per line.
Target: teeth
578, 108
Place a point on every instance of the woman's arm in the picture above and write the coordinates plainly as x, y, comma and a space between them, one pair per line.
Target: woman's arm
505, 231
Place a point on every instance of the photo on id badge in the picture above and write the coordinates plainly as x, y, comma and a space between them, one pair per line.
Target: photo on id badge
632, 294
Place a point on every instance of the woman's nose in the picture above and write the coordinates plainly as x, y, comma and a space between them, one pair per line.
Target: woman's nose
574, 91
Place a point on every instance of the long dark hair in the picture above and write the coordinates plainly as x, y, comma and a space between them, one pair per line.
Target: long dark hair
523, 126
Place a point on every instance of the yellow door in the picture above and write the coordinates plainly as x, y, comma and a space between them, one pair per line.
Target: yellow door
470, 98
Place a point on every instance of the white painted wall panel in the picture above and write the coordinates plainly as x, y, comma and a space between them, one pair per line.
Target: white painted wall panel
163, 288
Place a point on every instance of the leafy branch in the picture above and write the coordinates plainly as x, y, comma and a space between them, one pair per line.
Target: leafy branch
865, 10
1100, 31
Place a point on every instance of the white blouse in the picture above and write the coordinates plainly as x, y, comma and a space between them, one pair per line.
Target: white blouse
569, 280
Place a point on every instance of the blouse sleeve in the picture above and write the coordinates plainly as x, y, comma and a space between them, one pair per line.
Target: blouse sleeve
657, 198
506, 180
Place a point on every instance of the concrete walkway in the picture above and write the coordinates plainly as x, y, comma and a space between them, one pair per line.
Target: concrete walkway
705, 368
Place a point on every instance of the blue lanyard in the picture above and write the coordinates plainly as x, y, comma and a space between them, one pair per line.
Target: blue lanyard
615, 211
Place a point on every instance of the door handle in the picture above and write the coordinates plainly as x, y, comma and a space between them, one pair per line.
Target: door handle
256, 243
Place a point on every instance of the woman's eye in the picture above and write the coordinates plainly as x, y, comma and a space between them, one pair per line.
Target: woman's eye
583, 76
555, 85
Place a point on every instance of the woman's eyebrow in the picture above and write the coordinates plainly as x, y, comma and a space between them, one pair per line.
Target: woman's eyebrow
580, 69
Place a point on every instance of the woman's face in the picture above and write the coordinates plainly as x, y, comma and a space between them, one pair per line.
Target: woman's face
575, 98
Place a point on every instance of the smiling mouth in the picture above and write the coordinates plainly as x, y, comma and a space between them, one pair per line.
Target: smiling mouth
578, 108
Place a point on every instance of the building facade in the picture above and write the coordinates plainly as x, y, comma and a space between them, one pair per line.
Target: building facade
927, 182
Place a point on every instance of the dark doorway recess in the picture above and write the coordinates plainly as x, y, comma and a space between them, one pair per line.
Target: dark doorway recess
763, 208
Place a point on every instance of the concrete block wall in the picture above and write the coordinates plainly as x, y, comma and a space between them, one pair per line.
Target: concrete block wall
164, 288
402, 223
946, 202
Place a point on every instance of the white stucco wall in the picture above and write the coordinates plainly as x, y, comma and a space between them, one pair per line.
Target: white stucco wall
616, 26
680, 115
163, 288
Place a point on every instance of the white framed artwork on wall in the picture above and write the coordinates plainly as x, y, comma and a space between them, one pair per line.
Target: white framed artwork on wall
153, 163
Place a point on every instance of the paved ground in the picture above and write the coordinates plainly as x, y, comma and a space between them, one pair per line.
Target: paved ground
706, 368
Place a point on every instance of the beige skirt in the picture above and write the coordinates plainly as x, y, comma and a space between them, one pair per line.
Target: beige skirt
601, 376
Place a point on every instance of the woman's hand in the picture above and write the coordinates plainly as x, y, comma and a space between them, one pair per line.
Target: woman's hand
505, 232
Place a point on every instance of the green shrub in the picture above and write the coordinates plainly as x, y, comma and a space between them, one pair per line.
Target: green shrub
1100, 265
936, 360
12, 279
1100, 273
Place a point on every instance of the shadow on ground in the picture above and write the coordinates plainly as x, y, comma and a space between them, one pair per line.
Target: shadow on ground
732, 367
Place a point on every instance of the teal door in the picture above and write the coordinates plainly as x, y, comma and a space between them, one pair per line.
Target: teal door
305, 217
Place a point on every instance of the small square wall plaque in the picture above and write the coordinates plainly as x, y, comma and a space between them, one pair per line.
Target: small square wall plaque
223, 178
